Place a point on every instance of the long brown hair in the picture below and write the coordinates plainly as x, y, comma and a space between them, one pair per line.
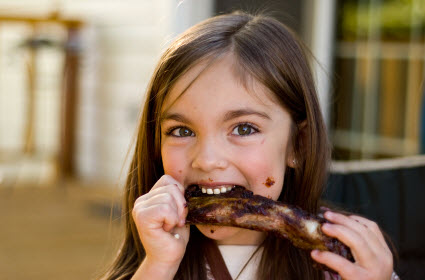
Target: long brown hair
269, 52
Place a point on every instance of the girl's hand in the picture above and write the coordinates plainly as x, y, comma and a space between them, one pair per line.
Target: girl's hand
160, 220
373, 258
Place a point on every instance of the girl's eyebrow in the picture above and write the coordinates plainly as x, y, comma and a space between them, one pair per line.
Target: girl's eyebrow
227, 117
174, 116
244, 112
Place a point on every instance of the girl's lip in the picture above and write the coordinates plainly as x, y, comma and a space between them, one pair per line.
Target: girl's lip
214, 185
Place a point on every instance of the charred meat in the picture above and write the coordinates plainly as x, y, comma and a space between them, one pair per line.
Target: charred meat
241, 208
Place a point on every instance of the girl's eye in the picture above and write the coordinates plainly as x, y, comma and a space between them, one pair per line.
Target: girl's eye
244, 130
181, 132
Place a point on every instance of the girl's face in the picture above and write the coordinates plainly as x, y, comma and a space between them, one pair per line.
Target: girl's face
217, 134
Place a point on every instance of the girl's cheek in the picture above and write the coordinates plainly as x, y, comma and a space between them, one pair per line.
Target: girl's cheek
266, 172
174, 163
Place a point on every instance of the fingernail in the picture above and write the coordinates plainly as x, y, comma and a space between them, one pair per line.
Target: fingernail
315, 253
328, 215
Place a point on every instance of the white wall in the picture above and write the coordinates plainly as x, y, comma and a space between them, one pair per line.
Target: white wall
320, 24
121, 44
121, 56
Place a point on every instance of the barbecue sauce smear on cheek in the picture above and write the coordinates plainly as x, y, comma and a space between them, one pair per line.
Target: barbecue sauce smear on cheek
269, 182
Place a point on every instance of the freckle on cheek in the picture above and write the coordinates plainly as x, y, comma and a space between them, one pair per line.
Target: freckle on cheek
180, 171
269, 182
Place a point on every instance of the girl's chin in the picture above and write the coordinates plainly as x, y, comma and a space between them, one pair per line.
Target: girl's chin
221, 234
231, 235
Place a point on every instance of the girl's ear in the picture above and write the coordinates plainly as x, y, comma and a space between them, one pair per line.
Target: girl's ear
296, 147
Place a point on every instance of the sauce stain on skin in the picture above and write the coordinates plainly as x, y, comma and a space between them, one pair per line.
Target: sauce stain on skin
180, 171
211, 180
269, 182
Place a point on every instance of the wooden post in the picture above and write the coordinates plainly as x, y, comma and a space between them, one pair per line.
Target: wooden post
70, 99
30, 106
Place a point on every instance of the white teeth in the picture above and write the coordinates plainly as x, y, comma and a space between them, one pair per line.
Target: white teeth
223, 189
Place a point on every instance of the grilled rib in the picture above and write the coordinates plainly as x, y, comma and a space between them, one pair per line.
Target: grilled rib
241, 208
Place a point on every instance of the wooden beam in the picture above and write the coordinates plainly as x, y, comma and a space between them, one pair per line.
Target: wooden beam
53, 18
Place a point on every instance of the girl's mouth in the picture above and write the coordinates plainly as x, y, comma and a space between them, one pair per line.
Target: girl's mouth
216, 190
195, 190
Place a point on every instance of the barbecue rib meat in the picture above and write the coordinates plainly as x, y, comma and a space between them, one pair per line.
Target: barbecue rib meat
241, 208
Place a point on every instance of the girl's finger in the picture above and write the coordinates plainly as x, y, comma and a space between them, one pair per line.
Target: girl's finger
341, 219
168, 180
165, 180
161, 198
161, 216
179, 199
167, 195
360, 249
371, 226
174, 192
345, 268
174, 187
372, 240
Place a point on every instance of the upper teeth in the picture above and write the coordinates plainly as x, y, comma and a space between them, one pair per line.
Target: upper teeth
223, 189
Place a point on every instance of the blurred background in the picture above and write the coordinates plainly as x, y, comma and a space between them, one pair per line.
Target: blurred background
72, 81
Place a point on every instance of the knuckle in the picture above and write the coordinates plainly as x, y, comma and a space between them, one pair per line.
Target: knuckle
179, 187
136, 208
167, 179
136, 214
139, 199
374, 226
167, 198
166, 209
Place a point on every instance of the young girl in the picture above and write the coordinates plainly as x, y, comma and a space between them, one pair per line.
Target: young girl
232, 102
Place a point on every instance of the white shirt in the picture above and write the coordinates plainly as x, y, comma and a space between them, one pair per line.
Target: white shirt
236, 256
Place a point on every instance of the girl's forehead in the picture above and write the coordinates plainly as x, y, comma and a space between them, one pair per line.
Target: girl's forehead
223, 73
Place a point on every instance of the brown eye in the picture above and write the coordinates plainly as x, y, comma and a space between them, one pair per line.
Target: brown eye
184, 132
181, 132
244, 130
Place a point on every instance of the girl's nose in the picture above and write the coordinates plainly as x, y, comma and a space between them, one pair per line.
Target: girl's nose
209, 156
